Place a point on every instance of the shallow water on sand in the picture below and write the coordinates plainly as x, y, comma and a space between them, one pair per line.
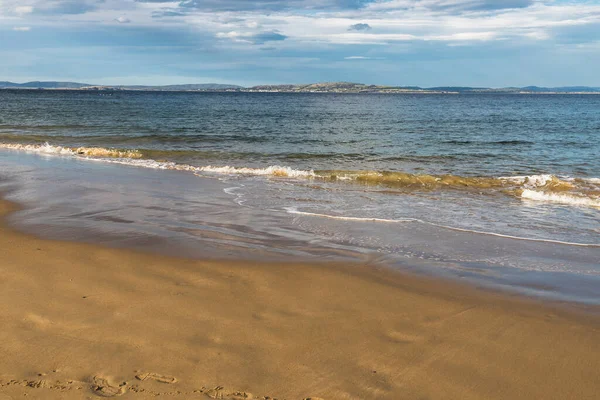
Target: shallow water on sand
182, 214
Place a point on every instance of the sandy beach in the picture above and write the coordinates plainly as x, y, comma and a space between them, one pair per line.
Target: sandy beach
81, 321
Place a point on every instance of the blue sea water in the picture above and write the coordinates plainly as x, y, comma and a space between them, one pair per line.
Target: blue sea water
497, 188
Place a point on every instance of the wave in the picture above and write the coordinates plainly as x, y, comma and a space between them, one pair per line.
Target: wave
134, 158
576, 200
582, 192
274, 170
412, 181
497, 142
507, 185
292, 210
453, 228
98, 152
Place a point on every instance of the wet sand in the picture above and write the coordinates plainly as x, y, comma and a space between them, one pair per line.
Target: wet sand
81, 321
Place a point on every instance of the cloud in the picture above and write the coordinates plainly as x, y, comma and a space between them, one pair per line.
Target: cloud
258, 35
263, 37
24, 9
496, 4
22, 28
266, 5
315, 23
363, 58
360, 27
450, 5
167, 13
254, 38
66, 7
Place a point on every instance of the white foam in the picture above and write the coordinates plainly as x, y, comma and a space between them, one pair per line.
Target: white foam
512, 236
530, 180
561, 198
291, 210
152, 164
544, 179
274, 170
45, 148
80, 152
234, 191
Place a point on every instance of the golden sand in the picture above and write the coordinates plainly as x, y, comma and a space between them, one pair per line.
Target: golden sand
82, 322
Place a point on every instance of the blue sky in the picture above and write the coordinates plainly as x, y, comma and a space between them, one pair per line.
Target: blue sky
400, 42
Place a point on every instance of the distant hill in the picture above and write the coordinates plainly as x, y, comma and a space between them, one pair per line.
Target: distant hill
199, 86
561, 89
348, 87
457, 88
44, 85
76, 85
530, 89
324, 87
334, 87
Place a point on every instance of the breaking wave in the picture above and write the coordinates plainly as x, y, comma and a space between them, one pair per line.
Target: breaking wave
275, 170
95, 152
576, 200
582, 192
136, 158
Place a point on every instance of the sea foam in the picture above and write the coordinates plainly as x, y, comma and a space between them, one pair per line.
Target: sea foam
292, 210
274, 170
134, 158
92, 152
561, 198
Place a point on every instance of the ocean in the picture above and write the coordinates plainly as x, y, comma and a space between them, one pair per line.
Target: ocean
502, 190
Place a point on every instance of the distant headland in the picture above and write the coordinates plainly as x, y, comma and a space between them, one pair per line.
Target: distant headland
327, 87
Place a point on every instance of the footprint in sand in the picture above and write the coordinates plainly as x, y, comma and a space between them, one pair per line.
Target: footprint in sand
102, 387
240, 396
401, 337
155, 377
220, 392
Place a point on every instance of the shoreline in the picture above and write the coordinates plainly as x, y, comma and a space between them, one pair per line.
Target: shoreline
80, 320
134, 217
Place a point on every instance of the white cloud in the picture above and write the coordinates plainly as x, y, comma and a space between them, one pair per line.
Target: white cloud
363, 58
233, 36
454, 22
253, 37
24, 9
22, 28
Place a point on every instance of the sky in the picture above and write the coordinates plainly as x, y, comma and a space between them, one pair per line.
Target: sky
488, 43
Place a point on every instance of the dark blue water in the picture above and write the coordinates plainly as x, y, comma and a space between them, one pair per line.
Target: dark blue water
471, 135
489, 185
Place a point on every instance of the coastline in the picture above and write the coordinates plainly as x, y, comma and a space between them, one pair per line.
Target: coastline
80, 320
396, 92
